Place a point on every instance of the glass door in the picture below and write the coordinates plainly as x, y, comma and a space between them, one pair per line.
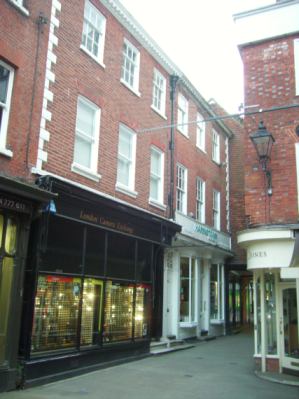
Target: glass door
8, 245
289, 328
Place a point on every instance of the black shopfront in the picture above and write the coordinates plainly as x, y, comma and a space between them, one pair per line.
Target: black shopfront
20, 203
93, 284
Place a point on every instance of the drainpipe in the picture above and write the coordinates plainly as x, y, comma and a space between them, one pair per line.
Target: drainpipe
173, 82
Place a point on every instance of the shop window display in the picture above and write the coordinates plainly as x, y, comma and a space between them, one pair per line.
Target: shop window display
91, 312
56, 313
270, 313
258, 315
142, 311
216, 292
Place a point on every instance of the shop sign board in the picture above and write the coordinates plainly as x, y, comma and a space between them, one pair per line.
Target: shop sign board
203, 232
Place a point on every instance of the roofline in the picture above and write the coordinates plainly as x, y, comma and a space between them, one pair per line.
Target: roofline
135, 28
259, 10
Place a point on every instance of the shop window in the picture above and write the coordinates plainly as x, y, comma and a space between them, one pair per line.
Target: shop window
118, 322
188, 284
216, 293
121, 257
64, 246
91, 312
142, 311
258, 329
270, 313
95, 251
144, 261
56, 313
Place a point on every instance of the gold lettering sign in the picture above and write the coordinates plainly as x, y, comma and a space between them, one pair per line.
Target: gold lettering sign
103, 221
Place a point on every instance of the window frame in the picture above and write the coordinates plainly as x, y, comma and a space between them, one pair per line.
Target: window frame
91, 171
181, 190
192, 290
216, 210
130, 188
220, 293
183, 115
296, 65
215, 146
160, 178
200, 200
19, 4
159, 92
99, 57
200, 133
135, 86
6, 109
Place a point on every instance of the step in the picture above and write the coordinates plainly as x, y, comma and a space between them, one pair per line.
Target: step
161, 351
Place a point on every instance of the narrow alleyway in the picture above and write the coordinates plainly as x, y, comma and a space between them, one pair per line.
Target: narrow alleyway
221, 368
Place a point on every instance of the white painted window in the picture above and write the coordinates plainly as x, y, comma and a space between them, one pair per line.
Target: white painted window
217, 292
21, 5
130, 66
200, 200
181, 190
159, 92
183, 114
6, 85
200, 133
87, 138
126, 159
157, 176
93, 35
296, 63
216, 210
215, 146
188, 290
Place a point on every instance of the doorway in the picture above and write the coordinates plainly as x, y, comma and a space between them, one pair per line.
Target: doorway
289, 327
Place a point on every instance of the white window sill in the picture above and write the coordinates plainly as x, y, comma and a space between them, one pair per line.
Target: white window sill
183, 133
20, 8
187, 324
157, 204
218, 163
267, 356
132, 89
6, 152
84, 49
159, 112
201, 149
81, 170
125, 190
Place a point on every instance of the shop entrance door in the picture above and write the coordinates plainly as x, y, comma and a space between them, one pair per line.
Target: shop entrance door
289, 327
8, 235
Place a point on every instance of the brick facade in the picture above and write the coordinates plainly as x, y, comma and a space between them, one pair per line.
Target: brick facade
270, 82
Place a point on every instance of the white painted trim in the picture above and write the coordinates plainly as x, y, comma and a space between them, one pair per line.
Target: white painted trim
296, 66
44, 134
17, 4
6, 112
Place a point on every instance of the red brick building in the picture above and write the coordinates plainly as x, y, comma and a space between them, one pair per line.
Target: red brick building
129, 216
271, 73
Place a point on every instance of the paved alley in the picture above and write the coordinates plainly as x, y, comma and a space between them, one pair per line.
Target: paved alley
221, 368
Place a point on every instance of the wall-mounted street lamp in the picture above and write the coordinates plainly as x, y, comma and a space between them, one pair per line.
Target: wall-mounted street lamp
263, 141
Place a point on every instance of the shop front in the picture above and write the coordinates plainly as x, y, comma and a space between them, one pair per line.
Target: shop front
272, 255
94, 284
194, 281
19, 204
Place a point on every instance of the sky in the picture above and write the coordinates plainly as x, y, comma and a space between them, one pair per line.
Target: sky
199, 37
